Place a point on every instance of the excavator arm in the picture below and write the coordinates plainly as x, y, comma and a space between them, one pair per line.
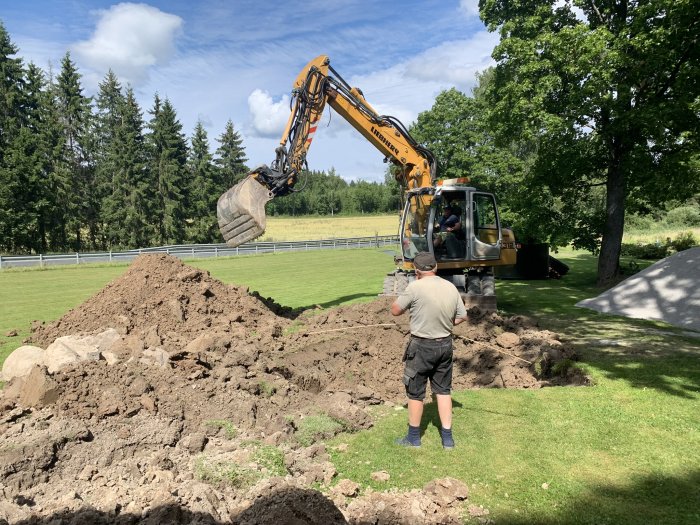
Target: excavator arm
241, 210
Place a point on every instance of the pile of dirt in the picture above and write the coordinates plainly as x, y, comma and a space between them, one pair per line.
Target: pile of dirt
213, 429
160, 301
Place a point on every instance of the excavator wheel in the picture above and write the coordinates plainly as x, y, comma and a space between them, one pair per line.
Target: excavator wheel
241, 211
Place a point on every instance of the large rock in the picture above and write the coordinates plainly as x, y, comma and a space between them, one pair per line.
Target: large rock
58, 355
70, 349
102, 341
20, 362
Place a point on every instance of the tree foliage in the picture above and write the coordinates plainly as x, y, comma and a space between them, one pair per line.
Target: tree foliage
205, 187
128, 205
607, 92
230, 158
167, 163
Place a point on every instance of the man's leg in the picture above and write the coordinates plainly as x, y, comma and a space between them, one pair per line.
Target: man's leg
443, 383
444, 404
415, 412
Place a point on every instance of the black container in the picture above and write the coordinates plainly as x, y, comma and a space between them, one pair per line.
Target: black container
532, 263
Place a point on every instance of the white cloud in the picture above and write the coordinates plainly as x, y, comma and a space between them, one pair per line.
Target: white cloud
410, 87
130, 39
469, 7
268, 117
454, 63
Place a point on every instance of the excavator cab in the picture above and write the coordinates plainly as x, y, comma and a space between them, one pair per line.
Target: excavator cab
458, 224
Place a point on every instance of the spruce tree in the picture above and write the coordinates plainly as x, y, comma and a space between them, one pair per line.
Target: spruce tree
11, 117
43, 140
108, 120
75, 113
203, 190
231, 159
168, 159
128, 208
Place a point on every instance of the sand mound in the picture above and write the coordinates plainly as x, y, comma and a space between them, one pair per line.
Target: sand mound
214, 430
668, 290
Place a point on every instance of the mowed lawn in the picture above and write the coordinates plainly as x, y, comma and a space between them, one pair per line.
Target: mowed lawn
624, 450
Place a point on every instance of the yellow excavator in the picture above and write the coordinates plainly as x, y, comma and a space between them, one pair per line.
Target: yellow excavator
456, 222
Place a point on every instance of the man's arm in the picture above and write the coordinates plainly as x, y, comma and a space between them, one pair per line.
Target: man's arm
461, 311
396, 309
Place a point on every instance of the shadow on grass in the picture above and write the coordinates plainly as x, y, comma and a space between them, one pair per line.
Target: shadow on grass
341, 300
644, 500
645, 354
293, 313
675, 373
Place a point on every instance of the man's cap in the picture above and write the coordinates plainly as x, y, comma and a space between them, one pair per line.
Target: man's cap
424, 262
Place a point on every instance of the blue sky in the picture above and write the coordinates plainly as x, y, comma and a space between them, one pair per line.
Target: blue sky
218, 60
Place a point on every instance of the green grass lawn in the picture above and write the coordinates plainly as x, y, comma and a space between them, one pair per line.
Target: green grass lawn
625, 450
45, 295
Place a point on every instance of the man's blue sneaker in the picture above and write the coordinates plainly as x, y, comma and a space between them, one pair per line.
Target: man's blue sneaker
405, 442
448, 441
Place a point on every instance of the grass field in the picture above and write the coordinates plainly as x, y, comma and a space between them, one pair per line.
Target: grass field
304, 279
309, 228
622, 451
658, 235
312, 227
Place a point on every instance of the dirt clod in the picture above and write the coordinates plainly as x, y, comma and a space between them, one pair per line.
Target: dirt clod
195, 413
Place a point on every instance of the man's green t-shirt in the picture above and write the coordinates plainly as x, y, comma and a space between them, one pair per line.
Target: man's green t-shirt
434, 304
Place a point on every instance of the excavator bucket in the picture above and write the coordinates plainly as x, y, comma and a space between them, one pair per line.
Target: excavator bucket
241, 211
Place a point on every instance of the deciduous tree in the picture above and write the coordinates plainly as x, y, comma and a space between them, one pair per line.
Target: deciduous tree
608, 93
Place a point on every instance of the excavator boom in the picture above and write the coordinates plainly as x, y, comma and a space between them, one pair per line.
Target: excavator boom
241, 210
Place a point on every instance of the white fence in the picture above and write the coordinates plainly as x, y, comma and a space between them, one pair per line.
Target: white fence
198, 251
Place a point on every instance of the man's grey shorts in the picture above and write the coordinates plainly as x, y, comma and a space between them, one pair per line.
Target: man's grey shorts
428, 359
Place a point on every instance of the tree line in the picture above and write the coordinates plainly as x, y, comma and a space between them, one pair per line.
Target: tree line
92, 173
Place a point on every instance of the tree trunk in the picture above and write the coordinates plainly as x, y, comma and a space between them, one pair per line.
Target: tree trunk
611, 245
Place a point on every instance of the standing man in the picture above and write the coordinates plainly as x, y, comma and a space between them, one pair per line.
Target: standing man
435, 306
